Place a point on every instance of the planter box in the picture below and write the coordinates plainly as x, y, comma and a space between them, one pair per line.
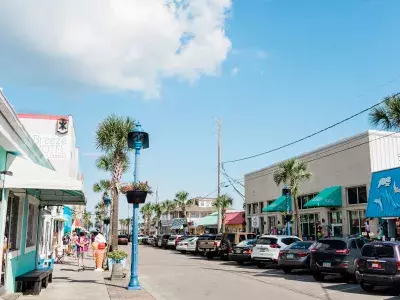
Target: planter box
136, 197
111, 262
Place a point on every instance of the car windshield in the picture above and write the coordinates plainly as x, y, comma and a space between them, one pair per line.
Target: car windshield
290, 240
331, 245
171, 238
246, 243
266, 241
206, 237
378, 250
300, 246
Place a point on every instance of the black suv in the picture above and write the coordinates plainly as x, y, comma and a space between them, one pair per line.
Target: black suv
379, 265
164, 241
336, 256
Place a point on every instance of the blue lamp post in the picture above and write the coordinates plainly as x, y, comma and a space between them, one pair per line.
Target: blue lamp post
286, 192
137, 139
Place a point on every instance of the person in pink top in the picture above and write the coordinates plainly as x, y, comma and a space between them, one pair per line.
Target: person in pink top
82, 245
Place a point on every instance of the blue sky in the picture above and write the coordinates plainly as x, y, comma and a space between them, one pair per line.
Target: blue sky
294, 67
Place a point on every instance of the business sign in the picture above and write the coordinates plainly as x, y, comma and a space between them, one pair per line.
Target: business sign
62, 125
255, 222
53, 147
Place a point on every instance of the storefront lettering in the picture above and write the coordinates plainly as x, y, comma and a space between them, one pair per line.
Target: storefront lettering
53, 147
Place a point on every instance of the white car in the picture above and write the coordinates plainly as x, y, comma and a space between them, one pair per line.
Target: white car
183, 245
192, 245
267, 248
173, 241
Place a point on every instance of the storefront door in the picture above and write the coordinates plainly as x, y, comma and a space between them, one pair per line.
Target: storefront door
335, 224
337, 230
309, 223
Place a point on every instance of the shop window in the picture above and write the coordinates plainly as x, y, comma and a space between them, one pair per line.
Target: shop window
255, 208
32, 224
309, 223
12, 232
335, 217
303, 199
357, 221
261, 204
357, 195
249, 209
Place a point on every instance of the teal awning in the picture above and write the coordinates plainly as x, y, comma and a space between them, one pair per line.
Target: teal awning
279, 205
209, 220
329, 197
177, 224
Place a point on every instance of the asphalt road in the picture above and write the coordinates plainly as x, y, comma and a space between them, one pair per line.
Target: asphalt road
169, 275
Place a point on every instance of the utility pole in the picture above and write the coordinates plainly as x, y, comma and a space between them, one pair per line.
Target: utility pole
219, 172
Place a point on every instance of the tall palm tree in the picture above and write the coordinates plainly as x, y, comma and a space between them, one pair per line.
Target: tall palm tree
147, 211
223, 202
168, 206
121, 225
293, 172
183, 202
388, 114
100, 212
128, 224
111, 138
158, 211
87, 219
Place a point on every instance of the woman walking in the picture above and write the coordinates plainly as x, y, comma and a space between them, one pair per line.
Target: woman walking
82, 244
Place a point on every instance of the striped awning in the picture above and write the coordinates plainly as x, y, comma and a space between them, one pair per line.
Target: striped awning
177, 224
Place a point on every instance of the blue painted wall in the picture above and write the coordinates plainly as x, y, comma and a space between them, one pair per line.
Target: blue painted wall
68, 217
384, 194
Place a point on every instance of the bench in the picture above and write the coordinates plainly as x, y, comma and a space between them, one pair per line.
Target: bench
31, 283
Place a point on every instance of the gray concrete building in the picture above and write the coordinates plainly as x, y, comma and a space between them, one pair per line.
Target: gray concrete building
346, 164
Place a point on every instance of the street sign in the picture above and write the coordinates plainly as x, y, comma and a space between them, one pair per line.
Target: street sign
255, 222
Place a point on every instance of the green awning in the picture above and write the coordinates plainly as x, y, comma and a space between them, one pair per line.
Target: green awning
279, 205
209, 220
329, 197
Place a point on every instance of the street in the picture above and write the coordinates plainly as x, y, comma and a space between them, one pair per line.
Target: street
170, 275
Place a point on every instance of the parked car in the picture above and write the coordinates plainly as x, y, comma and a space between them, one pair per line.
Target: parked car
241, 253
229, 240
183, 244
202, 242
379, 265
150, 240
336, 256
192, 246
173, 241
157, 240
268, 247
123, 239
164, 241
295, 256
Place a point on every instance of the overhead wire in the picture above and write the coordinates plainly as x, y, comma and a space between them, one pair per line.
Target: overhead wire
312, 134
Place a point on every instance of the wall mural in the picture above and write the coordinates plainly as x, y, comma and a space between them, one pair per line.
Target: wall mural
384, 195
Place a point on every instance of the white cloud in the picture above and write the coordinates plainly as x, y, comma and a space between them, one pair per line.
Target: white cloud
234, 71
127, 45
261, 54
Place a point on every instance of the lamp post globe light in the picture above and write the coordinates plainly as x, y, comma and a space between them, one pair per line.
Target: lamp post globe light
137, 139
286, 192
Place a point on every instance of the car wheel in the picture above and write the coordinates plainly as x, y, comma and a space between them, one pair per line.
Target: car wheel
286, 270
367, 287
318, 277
349, 277
261, 265
240, 263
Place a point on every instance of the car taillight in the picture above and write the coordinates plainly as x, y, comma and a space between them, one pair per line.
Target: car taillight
343, 251
357, 263
230, 250
398, 265
302, 254
282, 253
313, 250
274, 246
248, 251
344, 265
215, 244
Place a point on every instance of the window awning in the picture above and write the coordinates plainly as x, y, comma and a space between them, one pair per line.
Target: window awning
209, 220
328, 197
177, 224
50, 187
279, 205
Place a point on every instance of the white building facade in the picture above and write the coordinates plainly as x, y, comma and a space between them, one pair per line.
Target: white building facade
346, 165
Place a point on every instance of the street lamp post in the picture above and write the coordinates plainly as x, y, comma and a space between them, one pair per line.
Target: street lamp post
107, 202
286, 192
137, 139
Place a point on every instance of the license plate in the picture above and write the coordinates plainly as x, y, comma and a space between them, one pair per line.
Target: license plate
290, 256
326, 264
376, 266
262, 250
237, 251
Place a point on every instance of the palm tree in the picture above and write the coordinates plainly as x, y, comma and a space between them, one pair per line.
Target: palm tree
293, 172
121, 225
100, 212
388, 114
111, 138
158, 211
223, 202
183, 202
147, 211
87, 220
168, 206
128, 224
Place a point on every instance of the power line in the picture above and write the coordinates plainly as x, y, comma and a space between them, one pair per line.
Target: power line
269, 172
310, 135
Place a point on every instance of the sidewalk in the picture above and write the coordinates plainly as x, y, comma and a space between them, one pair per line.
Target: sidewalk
69, 284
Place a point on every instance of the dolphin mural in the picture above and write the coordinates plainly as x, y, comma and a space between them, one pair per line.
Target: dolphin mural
385, 181
379, 202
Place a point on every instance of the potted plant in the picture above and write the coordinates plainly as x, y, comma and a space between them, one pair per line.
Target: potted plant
136, 192
117, 257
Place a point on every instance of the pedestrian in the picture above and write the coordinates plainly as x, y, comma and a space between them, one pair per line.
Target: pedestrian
66, 241
73, 244
82, 243
99, 245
